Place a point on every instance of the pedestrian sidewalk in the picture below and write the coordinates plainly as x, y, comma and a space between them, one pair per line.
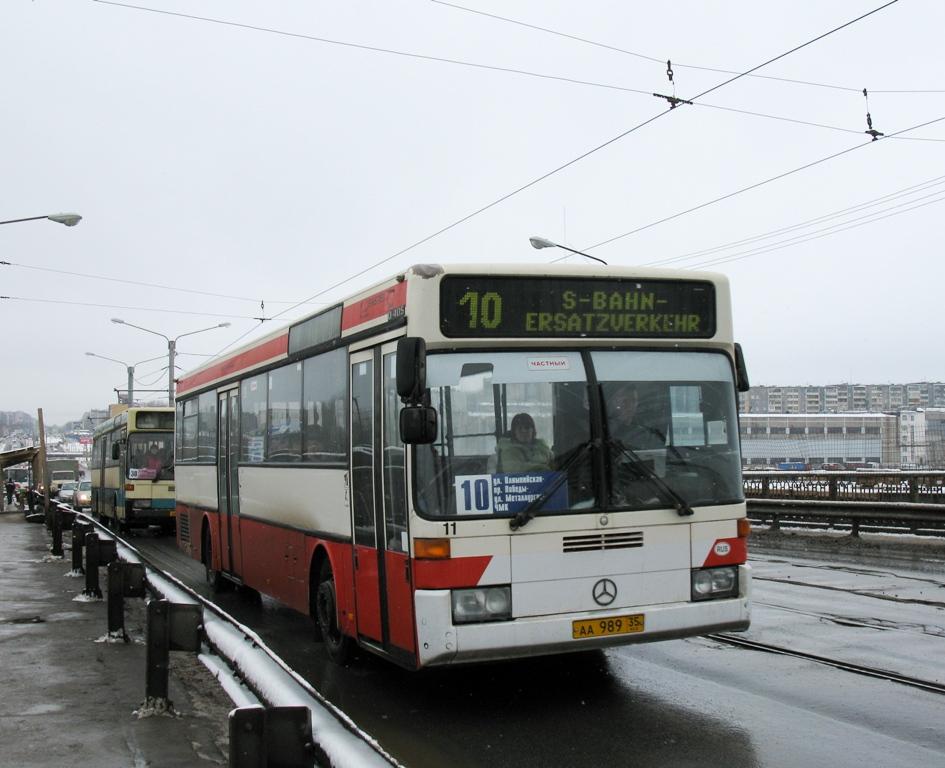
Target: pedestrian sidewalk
68, 698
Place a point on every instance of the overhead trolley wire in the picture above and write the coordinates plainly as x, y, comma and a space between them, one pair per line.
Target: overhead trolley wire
117, 306
805, 122
508, 195
922, 186
578, 159
826, 232
372, 48
135, 282
661, 62
750, 187
476, 65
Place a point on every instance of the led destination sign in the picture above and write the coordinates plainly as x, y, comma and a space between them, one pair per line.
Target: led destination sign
576, 307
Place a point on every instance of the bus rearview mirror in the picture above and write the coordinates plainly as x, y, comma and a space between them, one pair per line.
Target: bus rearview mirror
418, 424
741, 370
411, 369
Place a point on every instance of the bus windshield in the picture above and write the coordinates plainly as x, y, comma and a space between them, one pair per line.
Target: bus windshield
516, 427
151, 456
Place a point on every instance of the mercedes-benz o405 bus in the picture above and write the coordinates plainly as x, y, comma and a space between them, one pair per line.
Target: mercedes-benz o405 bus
478, 462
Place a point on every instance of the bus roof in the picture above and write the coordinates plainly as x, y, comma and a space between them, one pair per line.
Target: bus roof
408, 298
129, 413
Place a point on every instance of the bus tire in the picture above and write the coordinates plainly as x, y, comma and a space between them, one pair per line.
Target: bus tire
337, 646
215, 579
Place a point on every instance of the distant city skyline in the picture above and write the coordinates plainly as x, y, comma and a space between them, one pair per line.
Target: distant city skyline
842, 398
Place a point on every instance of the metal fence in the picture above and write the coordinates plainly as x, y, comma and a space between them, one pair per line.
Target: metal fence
870, 486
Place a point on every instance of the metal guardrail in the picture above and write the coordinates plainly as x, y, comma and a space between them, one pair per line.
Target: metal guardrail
292, 724
883, 501
886, 517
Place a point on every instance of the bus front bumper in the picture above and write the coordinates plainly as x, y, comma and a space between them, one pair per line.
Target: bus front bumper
441, 642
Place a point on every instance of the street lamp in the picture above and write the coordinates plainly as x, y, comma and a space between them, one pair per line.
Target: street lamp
69, 219
131, 372
541, 242
171, 349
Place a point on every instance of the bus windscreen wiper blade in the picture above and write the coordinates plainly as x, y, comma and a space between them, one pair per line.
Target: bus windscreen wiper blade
521, 518
678, 502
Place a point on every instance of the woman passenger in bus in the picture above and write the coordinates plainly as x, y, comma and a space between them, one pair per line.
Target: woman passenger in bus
522, 450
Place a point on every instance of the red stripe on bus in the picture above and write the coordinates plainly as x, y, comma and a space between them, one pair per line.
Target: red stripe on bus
267, 351
727, 552
445, 574
374, 306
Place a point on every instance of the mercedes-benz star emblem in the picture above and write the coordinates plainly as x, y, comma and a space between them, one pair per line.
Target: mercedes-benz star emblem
604, 592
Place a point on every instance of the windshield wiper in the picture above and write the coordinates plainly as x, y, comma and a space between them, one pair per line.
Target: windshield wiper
522, 517
678, 502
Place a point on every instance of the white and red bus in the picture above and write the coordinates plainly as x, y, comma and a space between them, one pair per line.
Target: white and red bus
361, 466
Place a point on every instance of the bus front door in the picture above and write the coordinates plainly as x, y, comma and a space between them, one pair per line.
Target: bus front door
228, 486
383, 595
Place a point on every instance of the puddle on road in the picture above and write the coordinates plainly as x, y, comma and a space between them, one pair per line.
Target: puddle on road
23, 620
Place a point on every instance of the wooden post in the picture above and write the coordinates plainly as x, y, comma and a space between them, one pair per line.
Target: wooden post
43, 466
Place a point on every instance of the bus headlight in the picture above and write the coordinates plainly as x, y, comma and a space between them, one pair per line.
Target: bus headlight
481, 604
710, 583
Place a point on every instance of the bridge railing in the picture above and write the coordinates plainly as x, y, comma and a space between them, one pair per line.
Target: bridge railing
914, 487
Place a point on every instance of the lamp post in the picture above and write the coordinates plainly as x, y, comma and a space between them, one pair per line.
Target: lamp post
131, 372
171, 349
541, 242
69, 219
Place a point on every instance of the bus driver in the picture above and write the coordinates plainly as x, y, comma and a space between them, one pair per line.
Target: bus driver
626, 425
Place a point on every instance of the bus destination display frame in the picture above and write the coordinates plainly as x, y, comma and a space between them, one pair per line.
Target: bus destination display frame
575, 307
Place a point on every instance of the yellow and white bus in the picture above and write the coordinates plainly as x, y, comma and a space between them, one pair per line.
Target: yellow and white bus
476, 462
132, 468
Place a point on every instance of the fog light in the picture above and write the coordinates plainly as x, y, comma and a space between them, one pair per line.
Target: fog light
481, 604
710, 583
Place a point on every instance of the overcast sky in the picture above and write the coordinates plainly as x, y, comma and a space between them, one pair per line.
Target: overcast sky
274, 156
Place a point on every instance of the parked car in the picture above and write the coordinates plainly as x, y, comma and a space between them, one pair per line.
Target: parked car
83, 496
67, 492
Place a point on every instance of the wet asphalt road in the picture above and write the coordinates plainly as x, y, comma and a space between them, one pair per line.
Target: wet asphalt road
689, 702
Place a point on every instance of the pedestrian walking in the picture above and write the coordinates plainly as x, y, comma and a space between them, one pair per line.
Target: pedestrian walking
10, 486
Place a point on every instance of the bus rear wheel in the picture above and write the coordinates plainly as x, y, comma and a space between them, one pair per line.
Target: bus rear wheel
337, 646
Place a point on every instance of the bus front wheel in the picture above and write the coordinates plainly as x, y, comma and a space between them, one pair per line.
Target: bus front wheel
337, 646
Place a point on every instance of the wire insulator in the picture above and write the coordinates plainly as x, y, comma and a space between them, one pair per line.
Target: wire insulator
869, 119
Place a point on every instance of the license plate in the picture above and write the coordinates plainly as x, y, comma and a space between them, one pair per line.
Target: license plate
615, 625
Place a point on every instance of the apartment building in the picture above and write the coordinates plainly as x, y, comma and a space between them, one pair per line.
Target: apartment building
843, 398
